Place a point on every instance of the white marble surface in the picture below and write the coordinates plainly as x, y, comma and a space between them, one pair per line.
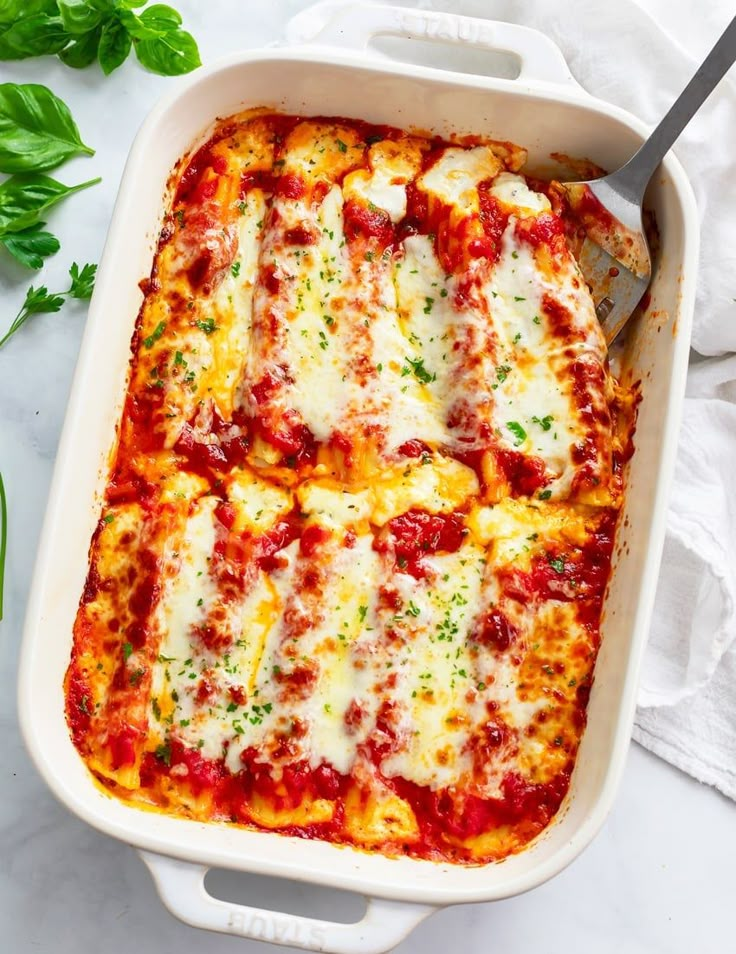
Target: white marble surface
658, 879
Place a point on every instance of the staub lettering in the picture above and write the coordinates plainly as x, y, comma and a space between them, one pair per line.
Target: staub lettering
278, 930
445, 28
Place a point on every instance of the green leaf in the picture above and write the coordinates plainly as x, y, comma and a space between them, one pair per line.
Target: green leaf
12, 10
36, 35
83, 282
37, 301
518, 431
83, 50
24, 199
115, 44
36, 129
172, 54
78, 16
162, 17
31, 245
155, 21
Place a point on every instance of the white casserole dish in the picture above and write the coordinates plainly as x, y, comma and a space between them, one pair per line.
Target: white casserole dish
544, 110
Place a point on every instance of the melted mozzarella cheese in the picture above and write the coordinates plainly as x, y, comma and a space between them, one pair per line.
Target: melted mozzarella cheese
531, 391
454, 178
259, 502
435, 670
512, 190
383, 184
348, 591
437, 486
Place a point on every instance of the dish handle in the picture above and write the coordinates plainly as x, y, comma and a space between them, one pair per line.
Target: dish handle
181, 888
352, 26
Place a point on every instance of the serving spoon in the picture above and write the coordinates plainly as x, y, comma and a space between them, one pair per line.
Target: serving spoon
615, 258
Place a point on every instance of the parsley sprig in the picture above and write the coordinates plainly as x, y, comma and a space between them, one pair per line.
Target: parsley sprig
39, 301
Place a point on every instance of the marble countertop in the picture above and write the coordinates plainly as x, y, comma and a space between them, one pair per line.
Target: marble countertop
659, 878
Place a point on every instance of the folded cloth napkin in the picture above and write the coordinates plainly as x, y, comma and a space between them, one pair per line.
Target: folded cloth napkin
639, 56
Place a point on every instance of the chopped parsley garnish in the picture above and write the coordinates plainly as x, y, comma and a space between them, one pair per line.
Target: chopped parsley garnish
537, 320
235, 269
323, 342
557, 564
179, 216
545, 495
127, 650
155, 334
342, 146
135, 677
519, 298
544, 422
362, 611
416, 366
242, 206
163, 753
207, 325
328, 320
179, 359
428, 302
518, 431
502, 372
108, 518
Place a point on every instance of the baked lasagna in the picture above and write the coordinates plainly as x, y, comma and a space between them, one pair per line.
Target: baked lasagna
348, 576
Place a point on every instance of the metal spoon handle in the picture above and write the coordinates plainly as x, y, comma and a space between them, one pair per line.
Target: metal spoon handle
633, 178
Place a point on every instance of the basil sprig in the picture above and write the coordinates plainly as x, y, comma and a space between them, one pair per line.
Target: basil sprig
80, 31
23, 201
37, 132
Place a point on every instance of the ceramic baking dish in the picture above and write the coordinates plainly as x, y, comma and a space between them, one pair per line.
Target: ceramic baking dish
335, 74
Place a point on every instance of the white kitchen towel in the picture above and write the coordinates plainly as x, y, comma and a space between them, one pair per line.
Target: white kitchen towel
639, 56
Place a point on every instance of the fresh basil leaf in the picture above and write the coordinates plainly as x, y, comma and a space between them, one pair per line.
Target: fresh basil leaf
12, 10
36, 129
155, 21
36, 35
83, 50
115, 44
31, 246
78, 16
24, 199
171, 54
161, 17
130, 4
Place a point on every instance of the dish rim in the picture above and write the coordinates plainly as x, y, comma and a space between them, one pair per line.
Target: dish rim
79, 802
